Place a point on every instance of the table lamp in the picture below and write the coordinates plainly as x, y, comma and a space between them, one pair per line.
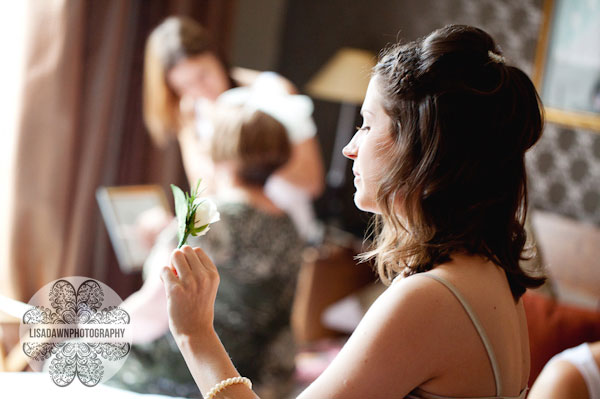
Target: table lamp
344, 79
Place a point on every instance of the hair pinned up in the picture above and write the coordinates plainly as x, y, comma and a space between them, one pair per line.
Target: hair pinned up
254, 141
497, 58
461, 126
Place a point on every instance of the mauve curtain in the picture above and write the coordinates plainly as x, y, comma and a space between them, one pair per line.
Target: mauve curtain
80, 126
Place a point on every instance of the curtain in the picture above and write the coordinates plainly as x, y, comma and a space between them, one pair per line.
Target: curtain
79, 127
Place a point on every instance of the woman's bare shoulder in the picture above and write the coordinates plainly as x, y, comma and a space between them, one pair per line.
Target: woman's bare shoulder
398, 336
595, 348
559, 379
415, 289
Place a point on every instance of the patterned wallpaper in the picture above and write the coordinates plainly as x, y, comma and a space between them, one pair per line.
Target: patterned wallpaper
564, 167
564, 173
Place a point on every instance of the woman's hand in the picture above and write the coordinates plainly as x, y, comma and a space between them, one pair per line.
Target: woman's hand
191, 285
150, 223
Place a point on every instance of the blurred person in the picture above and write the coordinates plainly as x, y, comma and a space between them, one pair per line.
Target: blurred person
574, 373
257, 250
184, 74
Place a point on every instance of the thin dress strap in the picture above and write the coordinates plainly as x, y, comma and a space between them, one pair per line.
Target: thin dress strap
478, 327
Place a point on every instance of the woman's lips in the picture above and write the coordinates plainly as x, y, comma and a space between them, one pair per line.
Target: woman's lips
356, 176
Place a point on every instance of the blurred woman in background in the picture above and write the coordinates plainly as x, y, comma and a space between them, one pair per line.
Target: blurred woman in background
258, 252
184, 73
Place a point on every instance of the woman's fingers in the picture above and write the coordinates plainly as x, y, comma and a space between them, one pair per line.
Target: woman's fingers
179, 260
168, 278
205, 260
191, 296
192, 264
192, 259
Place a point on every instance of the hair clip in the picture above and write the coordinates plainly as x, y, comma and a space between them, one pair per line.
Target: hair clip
497, 58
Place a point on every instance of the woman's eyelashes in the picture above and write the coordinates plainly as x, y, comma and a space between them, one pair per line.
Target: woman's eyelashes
361, 128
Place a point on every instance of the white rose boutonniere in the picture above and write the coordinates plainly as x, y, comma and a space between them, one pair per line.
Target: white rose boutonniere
194, 214
206, 214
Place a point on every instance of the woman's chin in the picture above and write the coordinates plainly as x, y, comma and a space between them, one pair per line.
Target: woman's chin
365, 204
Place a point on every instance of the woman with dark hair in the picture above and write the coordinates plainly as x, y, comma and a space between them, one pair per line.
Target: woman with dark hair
440, 160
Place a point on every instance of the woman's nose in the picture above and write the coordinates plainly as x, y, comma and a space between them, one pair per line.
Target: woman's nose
350, 150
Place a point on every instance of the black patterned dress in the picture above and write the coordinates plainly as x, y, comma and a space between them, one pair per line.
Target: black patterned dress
258, 257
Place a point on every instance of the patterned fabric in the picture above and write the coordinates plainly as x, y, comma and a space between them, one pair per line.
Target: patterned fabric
258, 257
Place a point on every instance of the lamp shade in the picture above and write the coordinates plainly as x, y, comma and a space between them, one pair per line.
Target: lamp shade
344, 78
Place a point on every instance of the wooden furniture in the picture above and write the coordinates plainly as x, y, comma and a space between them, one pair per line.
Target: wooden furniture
327, 275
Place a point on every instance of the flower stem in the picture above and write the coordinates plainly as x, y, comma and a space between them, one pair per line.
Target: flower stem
183, 239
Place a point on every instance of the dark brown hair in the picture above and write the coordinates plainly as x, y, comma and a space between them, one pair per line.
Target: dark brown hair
256, 142
462, 121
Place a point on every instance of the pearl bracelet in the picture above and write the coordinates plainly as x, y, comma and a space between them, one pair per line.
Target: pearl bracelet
225, 383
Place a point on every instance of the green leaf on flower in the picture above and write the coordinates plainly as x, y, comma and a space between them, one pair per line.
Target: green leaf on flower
199, 230
181, 212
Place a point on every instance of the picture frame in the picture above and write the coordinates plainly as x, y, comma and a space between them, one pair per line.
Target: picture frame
567, 63
121, 208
